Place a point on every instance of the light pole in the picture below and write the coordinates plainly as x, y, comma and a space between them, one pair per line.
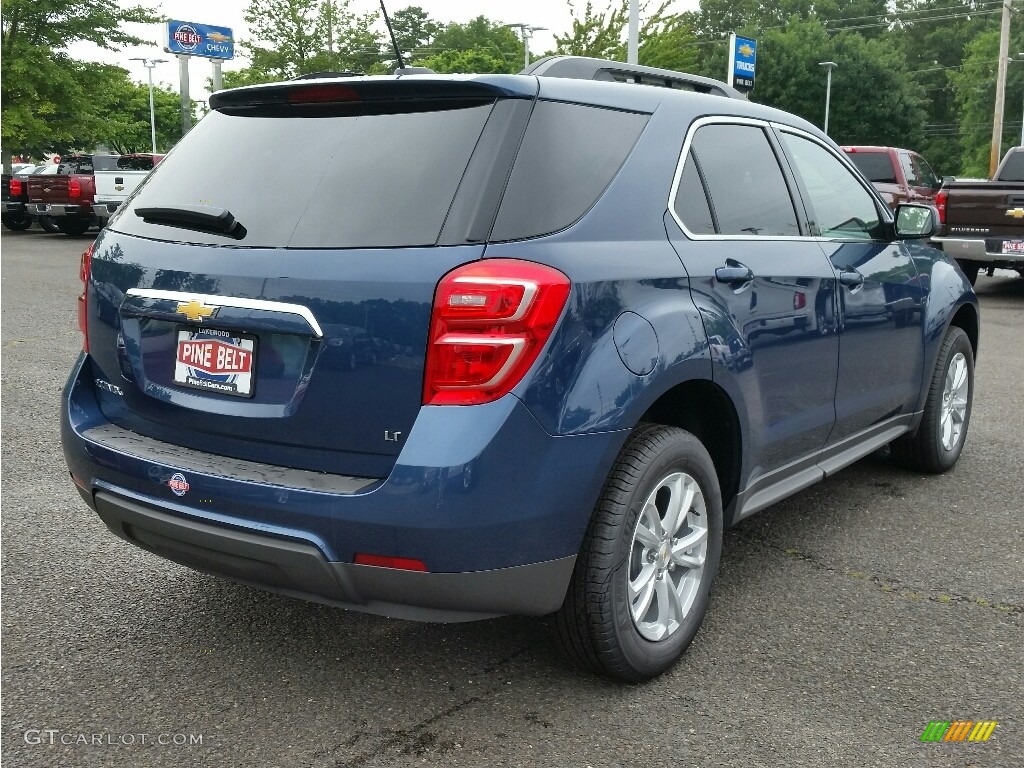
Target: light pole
1020, 57
829, 65
526, 30
149, 64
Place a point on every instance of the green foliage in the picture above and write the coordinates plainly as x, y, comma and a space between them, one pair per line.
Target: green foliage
414, 30
479, 40
50, 101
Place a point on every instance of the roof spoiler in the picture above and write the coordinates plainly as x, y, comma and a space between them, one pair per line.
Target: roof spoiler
584, 68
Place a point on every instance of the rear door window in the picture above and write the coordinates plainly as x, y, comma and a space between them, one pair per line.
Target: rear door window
568, 158
748, 191
876, 166
379, 180
692, 204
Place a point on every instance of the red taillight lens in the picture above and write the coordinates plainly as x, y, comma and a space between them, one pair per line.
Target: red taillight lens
15, 188
384, 561
799, 300
84, 273
322, 94
940, 203
74, 188
489, 323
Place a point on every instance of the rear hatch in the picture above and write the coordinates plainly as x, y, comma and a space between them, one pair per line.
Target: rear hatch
245, 304
48, 188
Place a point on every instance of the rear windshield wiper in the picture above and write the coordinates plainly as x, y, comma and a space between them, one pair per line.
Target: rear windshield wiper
200, 218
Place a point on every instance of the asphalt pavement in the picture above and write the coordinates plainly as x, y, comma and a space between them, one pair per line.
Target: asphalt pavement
843, 621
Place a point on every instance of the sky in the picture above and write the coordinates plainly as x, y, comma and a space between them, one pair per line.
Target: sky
553, 14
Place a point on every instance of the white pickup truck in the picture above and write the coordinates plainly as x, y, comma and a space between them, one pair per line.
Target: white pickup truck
114, 186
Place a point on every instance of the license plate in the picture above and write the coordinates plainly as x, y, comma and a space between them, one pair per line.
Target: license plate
215, 361
1013, 246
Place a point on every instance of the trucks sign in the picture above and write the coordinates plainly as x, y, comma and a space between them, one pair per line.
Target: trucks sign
187, 38
742, 62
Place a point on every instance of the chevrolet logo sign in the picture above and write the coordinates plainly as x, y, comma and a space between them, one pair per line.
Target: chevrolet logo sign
1017, 213
746, 51
196, 311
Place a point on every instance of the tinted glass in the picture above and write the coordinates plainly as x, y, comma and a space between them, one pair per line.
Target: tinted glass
745, 182
692, 201
568, 157
839, 205
925, 173
876, 166
130, 163
909, 171
78, 165
1013, 170
380, 180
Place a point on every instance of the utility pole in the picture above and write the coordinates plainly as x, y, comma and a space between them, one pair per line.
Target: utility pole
186, 95
633, 49
526, 30
997, 120
149, 64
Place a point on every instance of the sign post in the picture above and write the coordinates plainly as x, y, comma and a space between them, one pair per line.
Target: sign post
188, 38
742, 62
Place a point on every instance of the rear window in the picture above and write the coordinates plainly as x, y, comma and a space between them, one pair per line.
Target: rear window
130, 163
1013, 170
382, 180
569, 156
876, 166
87, 164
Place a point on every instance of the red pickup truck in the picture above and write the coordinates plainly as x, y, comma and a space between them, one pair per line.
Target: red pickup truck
68, 195
900, 175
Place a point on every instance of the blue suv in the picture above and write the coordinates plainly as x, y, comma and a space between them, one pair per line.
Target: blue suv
506, 345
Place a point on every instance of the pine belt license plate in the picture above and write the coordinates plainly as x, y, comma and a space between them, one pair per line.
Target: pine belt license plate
1013, 246
216, 361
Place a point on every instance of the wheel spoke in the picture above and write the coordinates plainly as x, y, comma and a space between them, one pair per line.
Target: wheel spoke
668, 604
959, 374
947, 430
681, 554
653, 518
648, 538
641, 591
677, 506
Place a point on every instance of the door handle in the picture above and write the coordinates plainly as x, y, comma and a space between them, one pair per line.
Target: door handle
851, 278
734, 273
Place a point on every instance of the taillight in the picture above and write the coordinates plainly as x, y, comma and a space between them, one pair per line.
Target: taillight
74, 188
489, 323
15, 188
940, 203
799, 300
84, 273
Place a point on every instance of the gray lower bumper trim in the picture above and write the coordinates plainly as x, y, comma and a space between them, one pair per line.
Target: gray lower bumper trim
298, 569
974, 250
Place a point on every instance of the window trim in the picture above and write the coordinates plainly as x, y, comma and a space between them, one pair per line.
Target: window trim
885, 218
765, 125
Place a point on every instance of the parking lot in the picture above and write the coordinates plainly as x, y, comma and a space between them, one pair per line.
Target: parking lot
843, 621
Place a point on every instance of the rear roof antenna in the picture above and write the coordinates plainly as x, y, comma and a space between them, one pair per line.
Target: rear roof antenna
394, 41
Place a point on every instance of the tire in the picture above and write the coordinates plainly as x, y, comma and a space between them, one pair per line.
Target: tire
970, 270
937, 445
595, 625
73, 227
17, 222
47, 224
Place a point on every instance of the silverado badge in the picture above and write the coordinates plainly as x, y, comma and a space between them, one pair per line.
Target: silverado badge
196, 311
1017, 213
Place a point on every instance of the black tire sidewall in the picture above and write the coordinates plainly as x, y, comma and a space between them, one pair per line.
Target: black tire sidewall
647, 658
959, 343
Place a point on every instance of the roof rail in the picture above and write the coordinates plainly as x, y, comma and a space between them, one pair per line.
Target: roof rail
584, 68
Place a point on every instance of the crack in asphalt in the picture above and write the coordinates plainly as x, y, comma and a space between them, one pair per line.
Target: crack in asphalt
418, 739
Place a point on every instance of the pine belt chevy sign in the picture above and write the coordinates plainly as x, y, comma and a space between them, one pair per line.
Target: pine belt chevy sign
742, 62
187, 38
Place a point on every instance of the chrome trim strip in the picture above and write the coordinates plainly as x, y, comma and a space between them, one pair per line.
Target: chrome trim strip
232, 301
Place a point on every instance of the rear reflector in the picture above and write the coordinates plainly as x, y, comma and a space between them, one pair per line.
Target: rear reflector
383, 561
490, 321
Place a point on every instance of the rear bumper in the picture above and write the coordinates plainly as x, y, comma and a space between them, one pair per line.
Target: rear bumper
976, 249
300, 570
56, 209
13, 206
492, 504
105, 210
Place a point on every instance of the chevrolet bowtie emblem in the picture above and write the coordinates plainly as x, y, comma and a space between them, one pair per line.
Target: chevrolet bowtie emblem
1017, 213
196, 311
746, 51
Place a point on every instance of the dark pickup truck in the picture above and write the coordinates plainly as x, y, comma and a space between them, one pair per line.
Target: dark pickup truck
16, 215
983, 221
68, 195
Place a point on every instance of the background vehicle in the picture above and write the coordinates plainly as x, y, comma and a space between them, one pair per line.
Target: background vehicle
587, 395
899, 175
68, 195
983, 221
16, 213
114, 186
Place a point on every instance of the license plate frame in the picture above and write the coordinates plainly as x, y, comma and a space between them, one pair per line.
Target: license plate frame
1013, 247
196, 368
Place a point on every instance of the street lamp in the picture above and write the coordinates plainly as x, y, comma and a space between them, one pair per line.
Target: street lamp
1020, 57
829, 65
526, 30
149, 64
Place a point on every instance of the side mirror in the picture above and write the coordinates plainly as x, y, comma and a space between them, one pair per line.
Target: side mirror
914, 221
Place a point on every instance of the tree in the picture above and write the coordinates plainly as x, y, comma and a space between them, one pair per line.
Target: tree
603, 35
496, 46
414, 30
44, 92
